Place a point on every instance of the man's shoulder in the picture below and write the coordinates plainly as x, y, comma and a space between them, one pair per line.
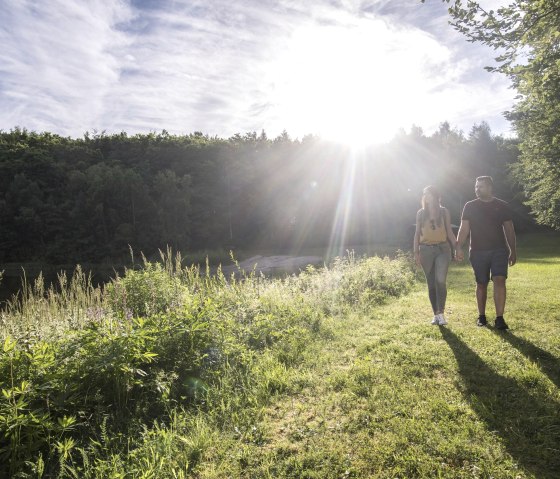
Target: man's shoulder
472, 203
501, 202
504, 208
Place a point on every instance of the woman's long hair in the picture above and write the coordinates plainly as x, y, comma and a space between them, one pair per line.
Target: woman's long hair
431, 190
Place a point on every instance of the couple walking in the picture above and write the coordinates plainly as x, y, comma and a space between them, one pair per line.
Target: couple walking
488, 222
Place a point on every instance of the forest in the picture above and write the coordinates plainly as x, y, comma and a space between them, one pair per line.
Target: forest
92, 199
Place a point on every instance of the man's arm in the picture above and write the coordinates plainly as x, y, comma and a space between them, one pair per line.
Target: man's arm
464, 231
509, 230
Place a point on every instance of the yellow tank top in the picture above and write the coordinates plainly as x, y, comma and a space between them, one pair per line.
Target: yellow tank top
431, 233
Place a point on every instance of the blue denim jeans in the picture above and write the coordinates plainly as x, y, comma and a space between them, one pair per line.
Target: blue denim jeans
435, 261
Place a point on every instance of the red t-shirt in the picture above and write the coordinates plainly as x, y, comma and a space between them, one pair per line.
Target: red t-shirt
486, 219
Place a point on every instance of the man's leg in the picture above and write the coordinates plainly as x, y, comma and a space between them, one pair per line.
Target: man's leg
499, 274
481, 295
480, 261
499, 294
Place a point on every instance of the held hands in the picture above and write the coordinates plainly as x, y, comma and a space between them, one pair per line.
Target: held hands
460, 256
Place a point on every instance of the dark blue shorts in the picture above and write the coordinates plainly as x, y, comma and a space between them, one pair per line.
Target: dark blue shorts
488, 262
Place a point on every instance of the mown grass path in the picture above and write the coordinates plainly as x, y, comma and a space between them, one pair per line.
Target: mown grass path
389, 395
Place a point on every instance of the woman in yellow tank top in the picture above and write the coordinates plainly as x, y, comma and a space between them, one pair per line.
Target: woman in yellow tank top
433, 240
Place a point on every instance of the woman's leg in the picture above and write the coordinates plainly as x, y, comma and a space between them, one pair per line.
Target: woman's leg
427, 258
441, 267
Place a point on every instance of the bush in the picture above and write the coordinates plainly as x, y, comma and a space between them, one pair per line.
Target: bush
163, 343
152, 290
351, 282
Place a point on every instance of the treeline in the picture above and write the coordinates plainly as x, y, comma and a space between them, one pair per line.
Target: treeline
65, 200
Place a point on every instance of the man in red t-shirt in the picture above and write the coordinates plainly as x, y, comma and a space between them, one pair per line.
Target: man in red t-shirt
489, 222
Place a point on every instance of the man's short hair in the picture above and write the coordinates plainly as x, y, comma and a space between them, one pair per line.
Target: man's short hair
487, 179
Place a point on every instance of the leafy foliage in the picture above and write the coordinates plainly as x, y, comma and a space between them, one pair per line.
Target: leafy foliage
526, 35
162, 348
357, 282
68, 201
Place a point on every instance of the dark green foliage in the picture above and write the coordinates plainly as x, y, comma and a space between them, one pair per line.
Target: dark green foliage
525, 35
67, 201
107, 374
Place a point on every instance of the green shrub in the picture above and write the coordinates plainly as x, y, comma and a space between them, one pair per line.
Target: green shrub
356, 282
158, 344
151, 290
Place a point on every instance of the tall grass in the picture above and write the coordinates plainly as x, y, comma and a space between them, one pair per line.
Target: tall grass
388, 395
139, 378
40, 311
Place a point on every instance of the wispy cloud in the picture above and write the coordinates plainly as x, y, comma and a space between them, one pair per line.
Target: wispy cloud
57, 62
223, 67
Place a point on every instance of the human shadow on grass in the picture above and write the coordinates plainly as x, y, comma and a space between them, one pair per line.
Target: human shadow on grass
549, 364
528, 424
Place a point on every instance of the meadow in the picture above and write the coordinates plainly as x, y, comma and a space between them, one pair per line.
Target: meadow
334, 373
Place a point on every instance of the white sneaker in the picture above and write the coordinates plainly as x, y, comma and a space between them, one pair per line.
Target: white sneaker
442, 321
436, 320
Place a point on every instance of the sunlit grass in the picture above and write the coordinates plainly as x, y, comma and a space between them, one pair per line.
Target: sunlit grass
321, 375
390, 395
159, 370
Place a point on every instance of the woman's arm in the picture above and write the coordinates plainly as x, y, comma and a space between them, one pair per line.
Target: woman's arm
416, 243
450, 235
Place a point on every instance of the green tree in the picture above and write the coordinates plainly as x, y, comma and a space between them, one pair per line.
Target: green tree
526, 35
173, 206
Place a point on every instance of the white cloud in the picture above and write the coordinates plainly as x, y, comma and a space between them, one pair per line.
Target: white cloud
57, 63
223, 67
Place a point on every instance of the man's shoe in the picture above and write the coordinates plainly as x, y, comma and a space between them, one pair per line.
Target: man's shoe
442, 321
499, 323
481, 320
435, 321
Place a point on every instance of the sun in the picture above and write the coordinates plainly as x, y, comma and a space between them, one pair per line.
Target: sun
343, 83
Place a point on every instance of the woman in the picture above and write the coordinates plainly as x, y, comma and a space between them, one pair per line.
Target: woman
432, 249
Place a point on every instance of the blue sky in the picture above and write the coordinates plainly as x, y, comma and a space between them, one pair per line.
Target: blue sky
348, 70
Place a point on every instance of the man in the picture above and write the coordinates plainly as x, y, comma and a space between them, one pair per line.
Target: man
492, 246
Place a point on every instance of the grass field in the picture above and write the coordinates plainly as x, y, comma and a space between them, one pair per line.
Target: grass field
389, 395
337, 373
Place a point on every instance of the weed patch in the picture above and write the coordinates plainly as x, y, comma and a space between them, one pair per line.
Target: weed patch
139, 378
